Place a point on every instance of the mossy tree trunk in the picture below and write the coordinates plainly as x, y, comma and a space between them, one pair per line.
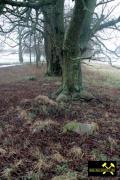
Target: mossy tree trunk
54, 35
76, 38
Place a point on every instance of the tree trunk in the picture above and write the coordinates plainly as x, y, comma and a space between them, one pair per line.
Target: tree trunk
72, 75
30, 53
54, 35
35, 46
1, 8
37, 40
20, 45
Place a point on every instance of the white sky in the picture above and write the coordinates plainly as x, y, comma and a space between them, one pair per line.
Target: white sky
107, 33
115, 41
115, 35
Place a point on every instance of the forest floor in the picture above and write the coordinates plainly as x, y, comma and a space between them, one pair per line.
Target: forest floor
32, 142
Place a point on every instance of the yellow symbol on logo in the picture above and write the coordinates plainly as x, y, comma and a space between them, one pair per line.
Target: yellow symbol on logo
108, 168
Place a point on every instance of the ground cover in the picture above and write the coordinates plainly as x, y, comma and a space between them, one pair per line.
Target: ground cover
33, 144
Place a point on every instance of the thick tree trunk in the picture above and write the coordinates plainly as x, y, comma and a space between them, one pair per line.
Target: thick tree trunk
72, 75
54, 35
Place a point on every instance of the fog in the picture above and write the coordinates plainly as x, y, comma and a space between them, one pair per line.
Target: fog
9, 58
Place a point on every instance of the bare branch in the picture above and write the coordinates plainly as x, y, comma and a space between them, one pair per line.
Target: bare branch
34, 5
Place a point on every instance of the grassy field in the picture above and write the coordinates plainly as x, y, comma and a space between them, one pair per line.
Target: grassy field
102, 75
94, 74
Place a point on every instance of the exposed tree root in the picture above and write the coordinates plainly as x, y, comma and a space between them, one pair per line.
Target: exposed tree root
64, 95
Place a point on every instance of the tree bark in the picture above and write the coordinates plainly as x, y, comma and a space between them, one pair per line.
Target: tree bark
74, 40
20, 45
54, 36
37, 39
30, 53
1, 8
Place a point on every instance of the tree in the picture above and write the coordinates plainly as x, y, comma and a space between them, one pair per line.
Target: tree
77, 32
26, 25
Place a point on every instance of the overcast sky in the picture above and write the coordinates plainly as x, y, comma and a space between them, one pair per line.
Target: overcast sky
115, 41
107, 34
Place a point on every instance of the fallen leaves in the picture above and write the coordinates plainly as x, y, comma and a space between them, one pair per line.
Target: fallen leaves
32, 142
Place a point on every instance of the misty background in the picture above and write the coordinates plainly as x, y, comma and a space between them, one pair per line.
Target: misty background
110, 38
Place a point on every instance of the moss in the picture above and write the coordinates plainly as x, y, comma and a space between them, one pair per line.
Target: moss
76, 96
62, 168
81, 128
86, 95
62, 97
70, 127
31, 78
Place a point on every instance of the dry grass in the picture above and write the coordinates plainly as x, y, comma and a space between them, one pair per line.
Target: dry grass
7, 173
1, 131
45, 100
66, 176
76, 152
41, 163
40, 126
23, 114
2, 151
96, 74
101, 75
18, 73
58, 157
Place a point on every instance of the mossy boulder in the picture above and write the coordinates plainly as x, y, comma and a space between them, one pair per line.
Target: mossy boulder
81, 128
31, 78
86, 95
